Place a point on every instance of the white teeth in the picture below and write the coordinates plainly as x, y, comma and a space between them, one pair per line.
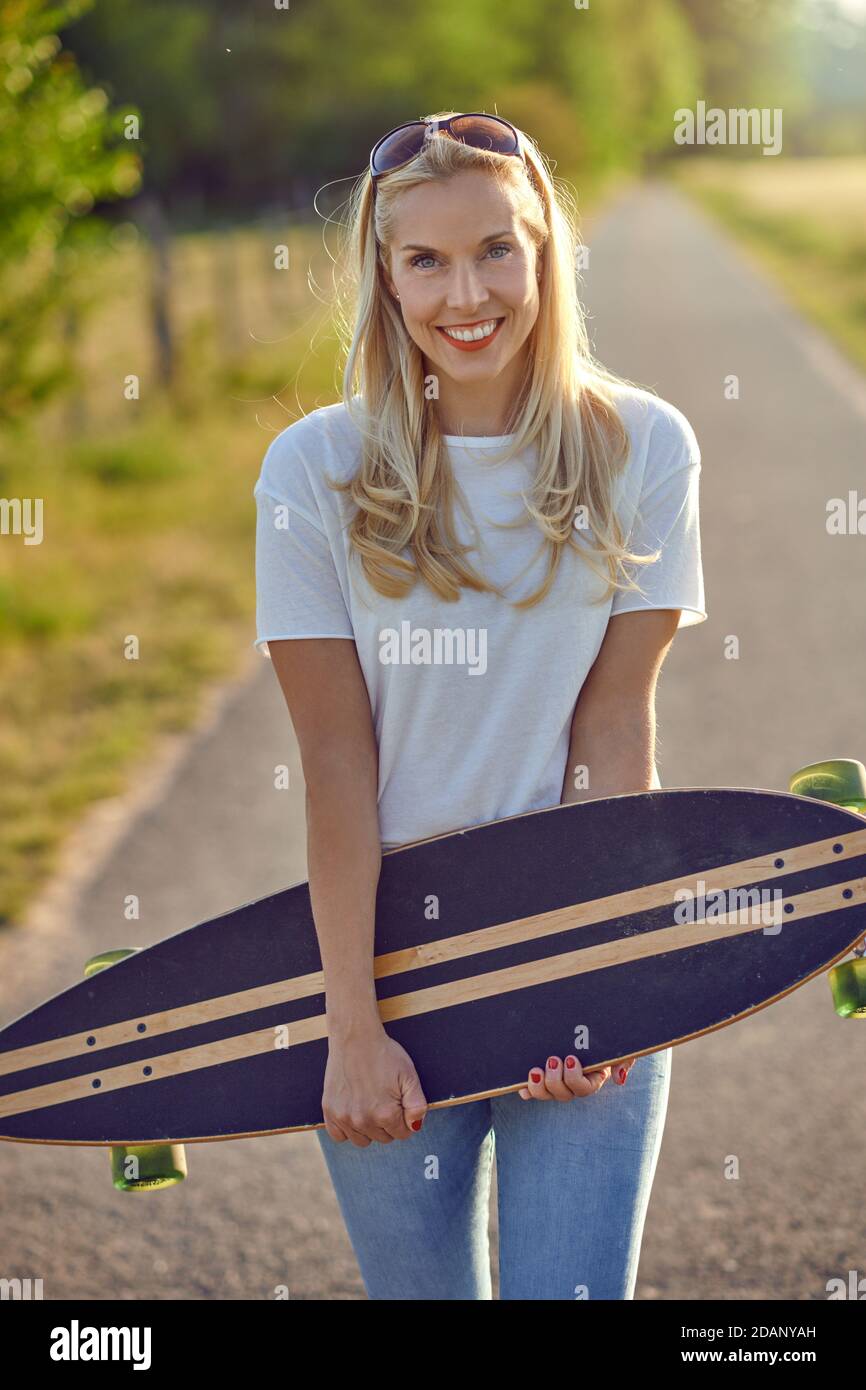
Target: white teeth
470, 335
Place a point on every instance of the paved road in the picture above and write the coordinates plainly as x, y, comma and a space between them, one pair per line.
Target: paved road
676, 307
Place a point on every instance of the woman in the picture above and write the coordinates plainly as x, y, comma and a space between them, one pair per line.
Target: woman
482, 473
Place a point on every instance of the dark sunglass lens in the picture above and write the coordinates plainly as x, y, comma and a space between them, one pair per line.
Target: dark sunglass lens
397, 148
484, 133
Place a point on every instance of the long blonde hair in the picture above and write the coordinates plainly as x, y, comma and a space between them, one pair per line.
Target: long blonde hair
404, 488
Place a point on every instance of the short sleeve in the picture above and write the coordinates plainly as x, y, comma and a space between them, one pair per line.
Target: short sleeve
298, 591
667, 519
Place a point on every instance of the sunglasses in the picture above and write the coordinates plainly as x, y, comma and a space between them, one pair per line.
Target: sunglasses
404, 142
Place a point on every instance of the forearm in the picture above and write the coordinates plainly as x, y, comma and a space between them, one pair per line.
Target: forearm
611, 752
344, 857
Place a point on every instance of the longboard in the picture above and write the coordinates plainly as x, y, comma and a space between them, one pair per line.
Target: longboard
611, 928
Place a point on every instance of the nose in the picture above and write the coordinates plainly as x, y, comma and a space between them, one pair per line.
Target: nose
466, 289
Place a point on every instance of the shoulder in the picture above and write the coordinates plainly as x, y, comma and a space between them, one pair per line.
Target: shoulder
324, 444
659, 433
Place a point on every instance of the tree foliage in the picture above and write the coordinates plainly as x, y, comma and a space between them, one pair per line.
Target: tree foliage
59, 156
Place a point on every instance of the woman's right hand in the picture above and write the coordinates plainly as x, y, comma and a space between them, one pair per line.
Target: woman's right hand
372, 1091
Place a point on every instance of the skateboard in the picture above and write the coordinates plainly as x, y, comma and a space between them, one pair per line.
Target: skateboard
609, 928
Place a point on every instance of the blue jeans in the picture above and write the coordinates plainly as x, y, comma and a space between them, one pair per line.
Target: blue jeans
574, 1180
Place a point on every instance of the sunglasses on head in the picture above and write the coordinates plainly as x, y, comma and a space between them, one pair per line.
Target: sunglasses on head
404, 142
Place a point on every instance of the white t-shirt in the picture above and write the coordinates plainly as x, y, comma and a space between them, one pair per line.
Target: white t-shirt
472, 701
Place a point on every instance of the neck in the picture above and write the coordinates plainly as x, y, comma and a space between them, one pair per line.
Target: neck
477, 408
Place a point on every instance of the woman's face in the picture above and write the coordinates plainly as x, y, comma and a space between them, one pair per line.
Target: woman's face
461, 260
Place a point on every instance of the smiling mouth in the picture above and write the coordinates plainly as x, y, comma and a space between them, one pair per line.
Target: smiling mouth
470, 335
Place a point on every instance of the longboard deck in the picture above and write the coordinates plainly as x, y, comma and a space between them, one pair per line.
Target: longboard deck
495, 945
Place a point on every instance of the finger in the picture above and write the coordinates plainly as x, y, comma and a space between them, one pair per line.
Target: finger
553, 1081
412, 1123
622, 1070
584, 1083
377, 1134
535, 1087
406, 1124
361, 1134
355, 1137
414, 1109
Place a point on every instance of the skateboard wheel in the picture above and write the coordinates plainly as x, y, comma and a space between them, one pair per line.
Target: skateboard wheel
841, 781
104, 958
848, 987
139, 1167
147, 1167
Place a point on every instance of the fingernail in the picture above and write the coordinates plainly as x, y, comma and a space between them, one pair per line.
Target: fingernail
535, 1076
621, 1076
571, 1063
552, 1063
416, 1124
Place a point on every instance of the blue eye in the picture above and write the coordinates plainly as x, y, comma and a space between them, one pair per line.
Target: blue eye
428, 256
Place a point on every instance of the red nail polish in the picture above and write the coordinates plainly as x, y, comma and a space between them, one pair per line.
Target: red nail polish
621, 1076
535, 1076
552, 1063
571, 1063
416, 1124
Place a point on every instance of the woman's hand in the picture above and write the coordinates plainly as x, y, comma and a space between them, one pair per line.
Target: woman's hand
565, 1082
372, 1091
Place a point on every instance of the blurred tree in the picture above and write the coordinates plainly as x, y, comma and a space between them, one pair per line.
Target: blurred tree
249, 104
830, 56
58, 157
747, 51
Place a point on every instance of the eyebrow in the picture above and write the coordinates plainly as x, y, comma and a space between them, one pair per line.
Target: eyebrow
494, 236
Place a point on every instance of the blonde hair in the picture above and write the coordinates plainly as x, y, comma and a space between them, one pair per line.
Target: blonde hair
404, 489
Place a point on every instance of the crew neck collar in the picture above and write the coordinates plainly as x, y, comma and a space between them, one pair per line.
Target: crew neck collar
479, 440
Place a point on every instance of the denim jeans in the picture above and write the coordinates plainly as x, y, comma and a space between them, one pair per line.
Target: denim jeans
573, 1178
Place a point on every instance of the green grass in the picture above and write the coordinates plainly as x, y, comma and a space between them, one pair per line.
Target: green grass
805, 222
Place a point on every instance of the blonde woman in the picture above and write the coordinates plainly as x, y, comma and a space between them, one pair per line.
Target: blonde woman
483, 473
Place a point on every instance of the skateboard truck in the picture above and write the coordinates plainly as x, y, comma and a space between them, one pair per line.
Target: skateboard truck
841, 781
139, 1167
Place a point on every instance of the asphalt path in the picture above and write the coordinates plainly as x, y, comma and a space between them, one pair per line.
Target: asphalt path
677, 307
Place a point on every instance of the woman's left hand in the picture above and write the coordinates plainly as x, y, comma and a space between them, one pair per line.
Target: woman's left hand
566, 1081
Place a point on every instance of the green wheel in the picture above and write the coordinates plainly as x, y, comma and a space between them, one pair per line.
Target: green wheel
147, 1167
841, 781
848, 987
106, 958
139, 1167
